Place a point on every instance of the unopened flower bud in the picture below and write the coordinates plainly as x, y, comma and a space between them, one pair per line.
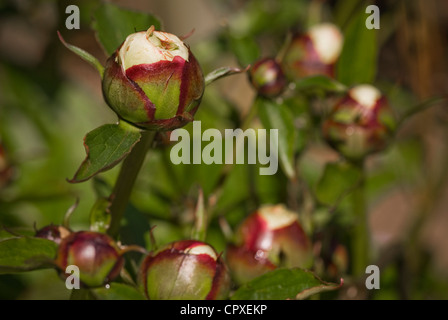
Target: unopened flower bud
360, 124
267, 77
153, 81
53, 232
314, 52
185, 270
95, 254
269, 238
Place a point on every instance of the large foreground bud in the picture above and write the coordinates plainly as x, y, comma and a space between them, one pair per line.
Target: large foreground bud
153, 81
95, 254
314, 52
185, 270
361, 123
269, 238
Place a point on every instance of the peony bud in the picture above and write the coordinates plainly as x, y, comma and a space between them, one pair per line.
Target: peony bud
314, 52
185, 270
95, 254
269, 238
267, 77
361, 123
53, 233
153, 81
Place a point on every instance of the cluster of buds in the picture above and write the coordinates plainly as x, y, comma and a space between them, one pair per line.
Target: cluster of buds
153, 81
185, 270
314, 52
270, 237
360, 123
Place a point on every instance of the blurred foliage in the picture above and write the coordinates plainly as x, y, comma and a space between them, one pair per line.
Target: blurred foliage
45, 114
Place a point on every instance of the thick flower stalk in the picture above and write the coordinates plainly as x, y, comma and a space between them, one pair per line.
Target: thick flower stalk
360, 124
314, 52
153, 81
270, 237
185, 270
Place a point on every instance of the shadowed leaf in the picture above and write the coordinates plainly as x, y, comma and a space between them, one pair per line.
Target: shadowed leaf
106, 146
282, 284
26, 254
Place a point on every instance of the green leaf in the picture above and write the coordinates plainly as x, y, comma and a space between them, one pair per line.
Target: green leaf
277, 116
200, 224
282, 284
222, 72
337, 180
245, 49
106, 146
113, 24
84, 55
100, 215
117, 291
319, 82
26, 253
358, 61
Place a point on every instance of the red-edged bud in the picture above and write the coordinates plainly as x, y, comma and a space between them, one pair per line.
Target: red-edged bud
96, 255
314, 52
267, 77
270, 237
53, 232
185, 270
153, 81
361, 123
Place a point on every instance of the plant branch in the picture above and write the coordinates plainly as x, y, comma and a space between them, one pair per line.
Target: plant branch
361, 235
125, 181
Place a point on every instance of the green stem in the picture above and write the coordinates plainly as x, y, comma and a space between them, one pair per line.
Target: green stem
125, 181
361, 235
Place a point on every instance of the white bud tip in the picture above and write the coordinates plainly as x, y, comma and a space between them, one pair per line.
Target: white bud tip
277, 216
327, 40
151, 46
202, 249
365, 94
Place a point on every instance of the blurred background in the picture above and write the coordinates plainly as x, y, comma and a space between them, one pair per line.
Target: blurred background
50, 98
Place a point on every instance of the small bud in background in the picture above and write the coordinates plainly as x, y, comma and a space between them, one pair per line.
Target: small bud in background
361, 123
185, 270
314, 52
6, 169
53, 233
153, 81
96, 255
270, 237
267, 77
